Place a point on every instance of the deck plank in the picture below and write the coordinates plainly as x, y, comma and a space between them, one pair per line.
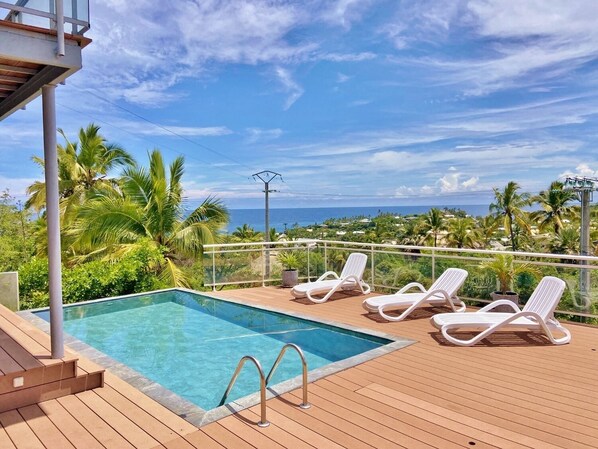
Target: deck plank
119, 422
478, 429
99, 428
43, 428
19, 432
228, 439
137, 415
5, 442
74, 431
202, 440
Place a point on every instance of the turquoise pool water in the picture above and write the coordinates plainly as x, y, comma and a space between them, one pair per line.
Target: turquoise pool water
191, 344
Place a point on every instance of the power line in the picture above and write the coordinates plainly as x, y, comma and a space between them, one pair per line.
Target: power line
168, 130
95, 119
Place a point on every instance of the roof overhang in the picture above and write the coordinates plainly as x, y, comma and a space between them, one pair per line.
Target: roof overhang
28, 61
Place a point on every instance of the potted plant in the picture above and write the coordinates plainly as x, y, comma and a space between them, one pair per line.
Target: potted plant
290, 263
506, 272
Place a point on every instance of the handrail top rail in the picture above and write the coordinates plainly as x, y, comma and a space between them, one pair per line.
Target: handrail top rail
412, 247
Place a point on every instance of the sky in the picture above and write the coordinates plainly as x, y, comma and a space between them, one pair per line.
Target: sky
353, 102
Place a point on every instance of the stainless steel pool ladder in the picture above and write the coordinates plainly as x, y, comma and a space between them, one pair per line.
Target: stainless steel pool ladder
264, 380
304, 404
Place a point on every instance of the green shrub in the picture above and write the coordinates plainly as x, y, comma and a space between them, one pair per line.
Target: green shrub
92, 280
33, 277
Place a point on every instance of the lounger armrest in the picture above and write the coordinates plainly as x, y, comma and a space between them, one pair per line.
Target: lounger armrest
451, 301
444, 293
350, 278
328, 273
411, 285
500, 302
365, 288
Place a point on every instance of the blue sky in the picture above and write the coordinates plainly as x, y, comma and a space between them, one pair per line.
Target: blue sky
354, 102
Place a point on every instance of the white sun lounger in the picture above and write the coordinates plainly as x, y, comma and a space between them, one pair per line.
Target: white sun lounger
537, 315
441, 292
350, 279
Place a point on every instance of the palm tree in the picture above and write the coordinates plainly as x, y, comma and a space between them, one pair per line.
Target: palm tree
83, 168
433, 223
554, 206
509, 205
486, 228
149, 211
566, 241
246, 233
460, 233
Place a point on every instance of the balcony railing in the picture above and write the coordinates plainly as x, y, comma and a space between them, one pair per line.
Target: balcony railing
392, 266
45, 14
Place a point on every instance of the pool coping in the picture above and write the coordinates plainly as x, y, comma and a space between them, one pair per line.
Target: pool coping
185, 408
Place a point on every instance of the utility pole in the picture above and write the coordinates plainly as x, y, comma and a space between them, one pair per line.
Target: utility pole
266, 177
584, 187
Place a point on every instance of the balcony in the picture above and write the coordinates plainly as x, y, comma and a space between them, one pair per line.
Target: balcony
40, 44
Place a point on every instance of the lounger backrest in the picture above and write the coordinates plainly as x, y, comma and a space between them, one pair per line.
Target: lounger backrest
546, 297
355, 265
450, 281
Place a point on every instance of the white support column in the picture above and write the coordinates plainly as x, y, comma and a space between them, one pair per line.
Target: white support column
53, 220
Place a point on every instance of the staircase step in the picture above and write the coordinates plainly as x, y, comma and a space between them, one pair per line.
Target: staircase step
34, 394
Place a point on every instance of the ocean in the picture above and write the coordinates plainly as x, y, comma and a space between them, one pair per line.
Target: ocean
282, 218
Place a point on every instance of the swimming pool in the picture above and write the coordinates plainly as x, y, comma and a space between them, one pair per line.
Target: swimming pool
191, 344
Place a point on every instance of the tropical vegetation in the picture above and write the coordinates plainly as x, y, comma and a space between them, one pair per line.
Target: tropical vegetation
126, 228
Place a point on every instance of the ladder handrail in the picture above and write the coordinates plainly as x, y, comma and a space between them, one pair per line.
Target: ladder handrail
281, 354
263, 421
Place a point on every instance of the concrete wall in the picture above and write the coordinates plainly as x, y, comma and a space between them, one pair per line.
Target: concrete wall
9, 290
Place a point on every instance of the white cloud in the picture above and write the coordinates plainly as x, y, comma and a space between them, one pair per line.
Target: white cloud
526, 43
452, 182
293, 89
344, 12
162, 129
141, 50
582, 169
342, 78
259, 135
17, 187
344, 57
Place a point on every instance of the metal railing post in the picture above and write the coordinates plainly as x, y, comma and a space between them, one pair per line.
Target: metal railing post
263, 267
308, 264
433, 265
214, 269
60, 27
325, 257
372, 268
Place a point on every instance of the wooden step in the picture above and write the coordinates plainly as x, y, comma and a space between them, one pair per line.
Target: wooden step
25, 360
38, 376
77, 383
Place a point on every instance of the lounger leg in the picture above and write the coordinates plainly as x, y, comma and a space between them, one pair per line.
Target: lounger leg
325, 298
403, 315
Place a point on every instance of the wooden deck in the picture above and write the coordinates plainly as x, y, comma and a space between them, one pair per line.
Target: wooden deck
512, 391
